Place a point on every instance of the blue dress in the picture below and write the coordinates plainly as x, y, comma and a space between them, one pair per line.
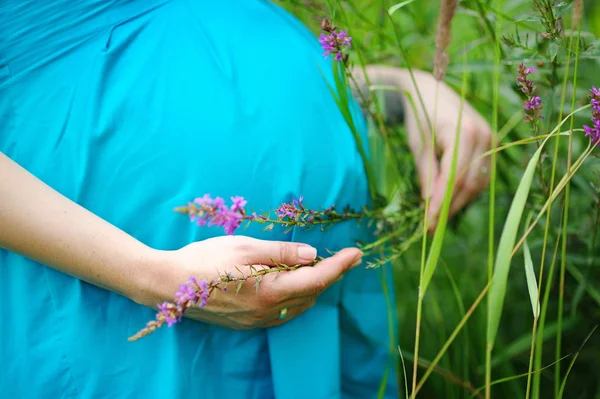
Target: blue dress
131, 108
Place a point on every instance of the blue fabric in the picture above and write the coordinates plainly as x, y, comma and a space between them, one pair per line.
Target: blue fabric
131, 108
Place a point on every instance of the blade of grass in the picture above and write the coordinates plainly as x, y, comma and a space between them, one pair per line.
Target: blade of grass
505, 249
531, 281
522, 344
398, 6
423, 363
564, 383
451, 338
404, 372
556, 192
514, 377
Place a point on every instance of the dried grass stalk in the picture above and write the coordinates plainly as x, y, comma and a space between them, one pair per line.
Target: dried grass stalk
442, 40
577, 13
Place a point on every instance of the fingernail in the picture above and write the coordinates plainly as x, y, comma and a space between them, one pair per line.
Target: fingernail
357, 261
307, 253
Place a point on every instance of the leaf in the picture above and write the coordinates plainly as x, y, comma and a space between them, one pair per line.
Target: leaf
564, 382
398, 6
239, 286
269, 227
531, 281
505, 248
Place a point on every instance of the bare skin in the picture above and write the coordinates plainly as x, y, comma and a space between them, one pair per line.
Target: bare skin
434, 169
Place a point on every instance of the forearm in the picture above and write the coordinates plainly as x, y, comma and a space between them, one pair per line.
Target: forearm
41, 224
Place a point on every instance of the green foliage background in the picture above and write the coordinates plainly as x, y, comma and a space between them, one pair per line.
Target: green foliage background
462, 272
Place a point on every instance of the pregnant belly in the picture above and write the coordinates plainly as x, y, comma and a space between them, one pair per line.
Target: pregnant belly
168, 106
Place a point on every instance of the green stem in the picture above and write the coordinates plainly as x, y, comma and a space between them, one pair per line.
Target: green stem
493, 164
538, 355
563, 260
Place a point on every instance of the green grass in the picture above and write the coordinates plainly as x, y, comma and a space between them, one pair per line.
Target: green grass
556, 187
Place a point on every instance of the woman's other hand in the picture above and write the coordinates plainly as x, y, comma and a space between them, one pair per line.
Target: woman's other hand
472, 170
434, 162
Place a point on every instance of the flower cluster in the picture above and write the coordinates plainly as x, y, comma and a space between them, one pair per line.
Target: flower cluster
533, 104
593, 132
192, 293
295, 214
334, 42
213, 211
291, 210
208, 211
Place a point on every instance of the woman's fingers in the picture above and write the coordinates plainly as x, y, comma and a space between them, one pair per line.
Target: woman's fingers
477, 179
467, 143
255, 251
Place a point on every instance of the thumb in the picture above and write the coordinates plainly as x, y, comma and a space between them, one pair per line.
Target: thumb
266, 252
315, 279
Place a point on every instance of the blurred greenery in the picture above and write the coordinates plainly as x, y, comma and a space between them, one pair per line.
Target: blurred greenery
462, 272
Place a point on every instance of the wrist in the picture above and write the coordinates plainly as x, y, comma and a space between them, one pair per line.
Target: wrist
152, 281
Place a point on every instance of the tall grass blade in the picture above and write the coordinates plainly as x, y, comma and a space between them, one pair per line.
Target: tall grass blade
403, 372
531, 281
398, 6
505, 249
564, 383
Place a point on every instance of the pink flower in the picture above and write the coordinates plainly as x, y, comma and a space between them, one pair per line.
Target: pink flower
334, 42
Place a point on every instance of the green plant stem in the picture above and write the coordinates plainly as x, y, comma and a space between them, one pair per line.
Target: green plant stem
451, 338
493, 164
570, 173
563, 260
535, 342
538, 355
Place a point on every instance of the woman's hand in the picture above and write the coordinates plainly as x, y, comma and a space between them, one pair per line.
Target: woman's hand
249, 308
474, 140
433, 162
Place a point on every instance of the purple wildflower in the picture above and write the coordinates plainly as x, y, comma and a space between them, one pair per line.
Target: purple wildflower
593, 132
202, 293
213, 212
206, 200
226, 218
191, 293
334, 42
185, 294
533, 104
291, 210
238, 203
169, 313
